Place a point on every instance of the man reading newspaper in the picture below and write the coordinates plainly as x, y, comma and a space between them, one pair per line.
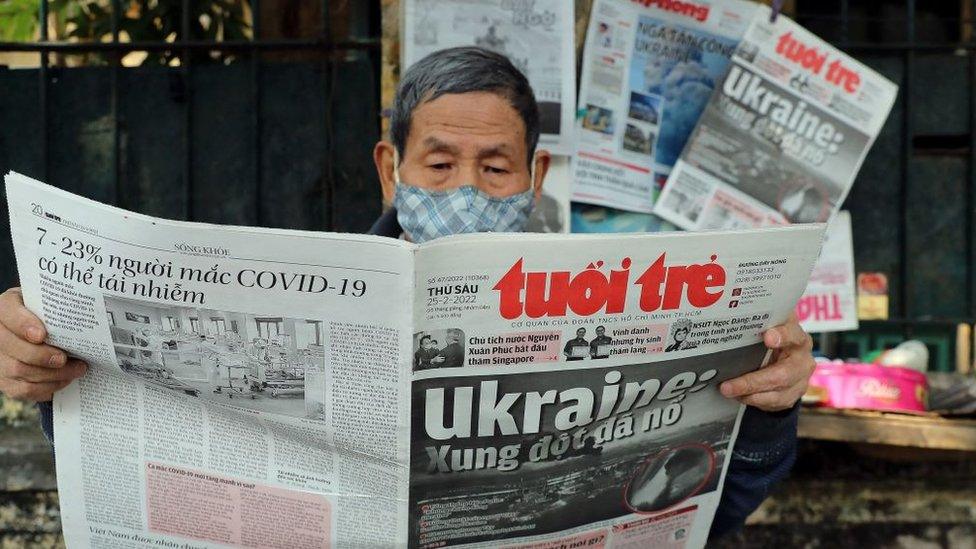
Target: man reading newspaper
463, 159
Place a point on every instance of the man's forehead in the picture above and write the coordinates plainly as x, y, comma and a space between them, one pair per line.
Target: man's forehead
477, 115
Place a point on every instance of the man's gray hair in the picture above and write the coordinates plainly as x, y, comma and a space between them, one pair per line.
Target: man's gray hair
463, 70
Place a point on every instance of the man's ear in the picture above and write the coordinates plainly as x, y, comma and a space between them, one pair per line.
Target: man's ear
542, 161
383, 158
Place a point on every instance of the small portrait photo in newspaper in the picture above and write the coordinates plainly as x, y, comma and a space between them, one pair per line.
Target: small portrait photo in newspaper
581, 346
679, 337
266, 363
578, 347
438, 349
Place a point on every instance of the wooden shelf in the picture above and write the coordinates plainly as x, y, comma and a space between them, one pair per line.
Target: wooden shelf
914, 431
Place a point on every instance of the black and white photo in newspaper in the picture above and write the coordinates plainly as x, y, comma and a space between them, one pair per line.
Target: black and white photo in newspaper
783, 136
546, 452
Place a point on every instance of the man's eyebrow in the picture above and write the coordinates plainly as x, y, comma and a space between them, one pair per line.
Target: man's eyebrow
501, 149
432, 144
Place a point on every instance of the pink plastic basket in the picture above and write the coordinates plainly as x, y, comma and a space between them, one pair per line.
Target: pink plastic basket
870, 387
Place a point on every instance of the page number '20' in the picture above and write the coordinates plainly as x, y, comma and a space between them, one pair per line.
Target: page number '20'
36, 209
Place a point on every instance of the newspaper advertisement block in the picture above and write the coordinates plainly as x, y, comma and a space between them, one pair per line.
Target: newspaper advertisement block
537, 36
271, 388
829, 303
649, 68
782, 138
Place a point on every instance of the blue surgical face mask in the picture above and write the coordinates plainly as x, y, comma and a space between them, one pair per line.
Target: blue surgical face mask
425, 215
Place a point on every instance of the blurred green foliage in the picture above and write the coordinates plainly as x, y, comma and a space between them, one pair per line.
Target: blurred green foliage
139, 21
18, 20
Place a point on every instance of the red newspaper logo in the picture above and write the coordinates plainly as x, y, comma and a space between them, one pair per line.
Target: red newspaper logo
699, 12
811, 59
662, 287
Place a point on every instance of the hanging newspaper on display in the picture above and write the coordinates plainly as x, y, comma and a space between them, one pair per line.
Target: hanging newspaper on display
536, 36
829, 303
783, 138
527, 390
649, 68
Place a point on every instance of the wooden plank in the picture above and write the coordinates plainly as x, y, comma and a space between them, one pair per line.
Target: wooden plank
873, 201
20, 149
223, 155
938, 273
151, 126
854, 426
81, 130
297, 138
356, 196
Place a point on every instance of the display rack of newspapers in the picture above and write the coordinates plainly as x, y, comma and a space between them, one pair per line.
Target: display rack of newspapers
264, 387
649, 69
782, 137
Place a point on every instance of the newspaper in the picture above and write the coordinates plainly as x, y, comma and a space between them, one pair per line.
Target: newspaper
587, 218
829, 303
272, 388
783, 138
649, 68
536, 35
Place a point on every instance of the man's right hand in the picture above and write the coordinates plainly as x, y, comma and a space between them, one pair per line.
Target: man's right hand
29, 369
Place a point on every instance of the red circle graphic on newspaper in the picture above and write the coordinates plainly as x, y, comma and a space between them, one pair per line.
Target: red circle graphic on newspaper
669, 478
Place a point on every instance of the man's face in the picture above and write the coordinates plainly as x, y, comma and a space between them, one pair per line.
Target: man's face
600, 332
581, 332
426, 344
474, 138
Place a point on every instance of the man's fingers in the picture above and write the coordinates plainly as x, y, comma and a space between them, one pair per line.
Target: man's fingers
31, 392
30, 353
788, 334
18, 371
772, 401
776, 377
16, 318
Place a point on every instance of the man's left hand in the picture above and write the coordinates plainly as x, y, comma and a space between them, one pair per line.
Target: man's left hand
781, 383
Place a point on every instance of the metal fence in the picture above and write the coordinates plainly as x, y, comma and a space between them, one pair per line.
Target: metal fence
257, 141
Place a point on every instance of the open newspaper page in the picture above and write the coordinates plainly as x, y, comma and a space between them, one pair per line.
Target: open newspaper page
649, 68
246, 388
255, 387
536, 36
829, 304
782, 138
565, 389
